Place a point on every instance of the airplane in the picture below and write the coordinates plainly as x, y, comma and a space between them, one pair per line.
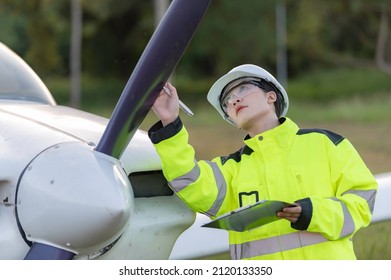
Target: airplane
78, 186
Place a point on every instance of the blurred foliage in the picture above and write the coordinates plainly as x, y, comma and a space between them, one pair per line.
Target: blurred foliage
319, 34
38, 31
328, 85
331, 49
323, 38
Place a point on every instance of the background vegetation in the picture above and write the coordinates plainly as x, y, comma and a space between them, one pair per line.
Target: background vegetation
320, 34
339, 55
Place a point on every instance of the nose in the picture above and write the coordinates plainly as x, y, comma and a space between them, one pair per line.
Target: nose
236, 100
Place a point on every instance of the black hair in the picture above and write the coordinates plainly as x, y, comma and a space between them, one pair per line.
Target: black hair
268, 86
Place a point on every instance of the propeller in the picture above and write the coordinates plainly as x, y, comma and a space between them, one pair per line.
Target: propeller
155, 66
39, 251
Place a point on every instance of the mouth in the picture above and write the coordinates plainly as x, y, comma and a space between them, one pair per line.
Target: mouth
239, 108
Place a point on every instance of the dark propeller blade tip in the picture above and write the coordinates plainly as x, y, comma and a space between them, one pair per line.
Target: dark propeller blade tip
39, 251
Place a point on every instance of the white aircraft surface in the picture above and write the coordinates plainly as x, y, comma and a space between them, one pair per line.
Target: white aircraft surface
74, 185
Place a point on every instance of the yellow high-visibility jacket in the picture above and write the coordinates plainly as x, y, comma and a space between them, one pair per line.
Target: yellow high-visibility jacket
317, 168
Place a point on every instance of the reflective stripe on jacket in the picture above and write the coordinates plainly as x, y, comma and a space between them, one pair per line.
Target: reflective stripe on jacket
317, 168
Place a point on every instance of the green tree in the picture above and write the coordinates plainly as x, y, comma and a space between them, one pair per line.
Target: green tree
35, 29
115, 32
232, 33
334, 33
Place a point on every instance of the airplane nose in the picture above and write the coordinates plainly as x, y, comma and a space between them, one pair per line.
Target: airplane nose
75, 198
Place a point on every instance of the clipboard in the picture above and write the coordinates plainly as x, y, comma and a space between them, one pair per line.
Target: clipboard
249, 217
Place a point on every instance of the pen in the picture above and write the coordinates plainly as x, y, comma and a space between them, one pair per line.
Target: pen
181, 104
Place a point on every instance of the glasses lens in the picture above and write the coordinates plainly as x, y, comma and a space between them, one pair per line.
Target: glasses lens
240, 91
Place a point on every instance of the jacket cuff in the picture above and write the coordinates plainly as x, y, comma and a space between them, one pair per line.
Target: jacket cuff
158, 132
304, 219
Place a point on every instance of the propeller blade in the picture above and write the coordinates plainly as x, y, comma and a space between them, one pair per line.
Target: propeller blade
39, 251
155, 66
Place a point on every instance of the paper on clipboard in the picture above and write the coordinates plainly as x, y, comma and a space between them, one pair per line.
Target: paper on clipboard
249, 217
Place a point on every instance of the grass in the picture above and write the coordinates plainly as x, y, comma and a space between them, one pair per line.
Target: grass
355, 109
373, 242
325, 86
354, 103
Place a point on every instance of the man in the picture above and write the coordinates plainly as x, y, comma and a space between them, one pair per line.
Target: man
316, 169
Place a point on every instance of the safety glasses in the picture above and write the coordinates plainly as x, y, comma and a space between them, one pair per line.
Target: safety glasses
238, 92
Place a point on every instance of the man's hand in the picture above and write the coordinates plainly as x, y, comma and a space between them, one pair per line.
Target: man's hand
291, 213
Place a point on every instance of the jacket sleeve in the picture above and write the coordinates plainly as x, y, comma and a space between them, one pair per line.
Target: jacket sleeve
352, 206
201, 185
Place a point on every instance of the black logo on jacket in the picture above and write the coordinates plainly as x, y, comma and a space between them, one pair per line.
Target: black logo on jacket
248, 198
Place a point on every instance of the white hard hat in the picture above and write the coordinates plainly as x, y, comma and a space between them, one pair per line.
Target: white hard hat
242, 71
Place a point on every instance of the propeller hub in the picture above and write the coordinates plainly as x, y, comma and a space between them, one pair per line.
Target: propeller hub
74, 198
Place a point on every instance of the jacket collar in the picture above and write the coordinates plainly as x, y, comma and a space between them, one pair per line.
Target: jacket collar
282, 135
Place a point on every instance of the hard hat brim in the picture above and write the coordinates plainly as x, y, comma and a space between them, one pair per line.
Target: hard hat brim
217, 88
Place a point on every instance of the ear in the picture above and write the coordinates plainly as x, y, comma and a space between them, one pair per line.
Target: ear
272, 97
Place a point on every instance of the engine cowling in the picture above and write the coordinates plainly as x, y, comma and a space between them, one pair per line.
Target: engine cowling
74, 198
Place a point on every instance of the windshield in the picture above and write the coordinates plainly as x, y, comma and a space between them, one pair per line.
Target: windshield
18, 81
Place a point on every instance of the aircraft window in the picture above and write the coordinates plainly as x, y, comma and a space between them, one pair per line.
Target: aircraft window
18, 81
149, 184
